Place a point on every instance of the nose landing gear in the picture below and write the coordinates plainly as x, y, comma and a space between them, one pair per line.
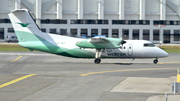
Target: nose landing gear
155, 61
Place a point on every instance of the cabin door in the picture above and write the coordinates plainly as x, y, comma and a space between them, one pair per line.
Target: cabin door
130, 50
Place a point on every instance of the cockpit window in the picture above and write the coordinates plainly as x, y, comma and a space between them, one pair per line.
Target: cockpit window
149, 45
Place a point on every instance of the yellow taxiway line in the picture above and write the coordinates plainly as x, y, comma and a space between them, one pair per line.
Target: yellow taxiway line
16, 80
130, 70
169, 63
16, 58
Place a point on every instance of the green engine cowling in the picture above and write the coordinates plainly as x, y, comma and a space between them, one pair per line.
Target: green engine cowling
108, 43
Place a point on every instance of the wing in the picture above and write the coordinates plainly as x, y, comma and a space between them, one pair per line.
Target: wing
99, 39
100, 43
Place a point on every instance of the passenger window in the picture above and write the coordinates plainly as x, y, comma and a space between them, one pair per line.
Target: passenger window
124, 47
120, 47
129, 47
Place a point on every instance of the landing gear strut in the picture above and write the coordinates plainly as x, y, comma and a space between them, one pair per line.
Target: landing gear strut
98, 56
155, 61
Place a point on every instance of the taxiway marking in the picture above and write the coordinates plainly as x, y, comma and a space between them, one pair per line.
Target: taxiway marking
16, 58
16, 80
169, 63
129, 70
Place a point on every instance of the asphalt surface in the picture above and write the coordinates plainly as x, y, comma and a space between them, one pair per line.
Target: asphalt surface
37, 76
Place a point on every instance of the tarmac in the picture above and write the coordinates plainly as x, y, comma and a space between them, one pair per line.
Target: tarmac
38, 76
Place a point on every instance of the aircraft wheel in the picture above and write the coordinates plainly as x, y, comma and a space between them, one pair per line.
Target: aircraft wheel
155, 61
97, 61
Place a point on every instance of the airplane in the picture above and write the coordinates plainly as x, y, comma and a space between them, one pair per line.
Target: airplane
31, 37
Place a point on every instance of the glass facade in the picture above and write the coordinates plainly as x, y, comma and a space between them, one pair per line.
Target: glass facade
135, 34
1, 33
125, 34
146, 34
156, 35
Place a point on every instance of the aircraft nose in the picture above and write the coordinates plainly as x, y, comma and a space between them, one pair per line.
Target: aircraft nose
164, 54
161, 53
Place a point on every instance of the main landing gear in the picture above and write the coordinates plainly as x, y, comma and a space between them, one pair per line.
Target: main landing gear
98, 60
98, 56
155, 61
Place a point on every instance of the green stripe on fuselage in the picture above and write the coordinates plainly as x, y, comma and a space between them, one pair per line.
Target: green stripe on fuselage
35, 42
45, 46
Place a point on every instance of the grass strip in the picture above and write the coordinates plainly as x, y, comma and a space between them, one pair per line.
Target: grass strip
171, 49
12, 48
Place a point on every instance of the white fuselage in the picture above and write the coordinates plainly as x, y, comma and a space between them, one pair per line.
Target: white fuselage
131, 49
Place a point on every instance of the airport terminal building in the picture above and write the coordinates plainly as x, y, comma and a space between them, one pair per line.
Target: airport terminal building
153, 20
